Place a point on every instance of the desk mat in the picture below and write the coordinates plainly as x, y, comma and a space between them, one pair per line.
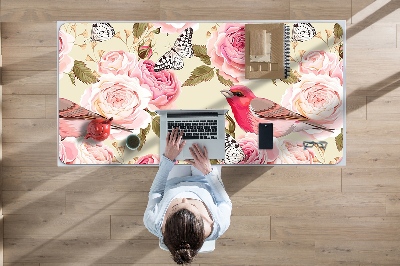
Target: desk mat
125, 70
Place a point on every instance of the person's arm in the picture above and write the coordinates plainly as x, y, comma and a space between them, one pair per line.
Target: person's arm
156, 194
224, 204
172, 149
222, 199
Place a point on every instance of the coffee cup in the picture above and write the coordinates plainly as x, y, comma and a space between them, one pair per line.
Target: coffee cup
132, 142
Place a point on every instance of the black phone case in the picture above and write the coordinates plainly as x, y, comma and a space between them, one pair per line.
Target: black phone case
265, 135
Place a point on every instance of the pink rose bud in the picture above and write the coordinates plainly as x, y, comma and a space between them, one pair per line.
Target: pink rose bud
145, 52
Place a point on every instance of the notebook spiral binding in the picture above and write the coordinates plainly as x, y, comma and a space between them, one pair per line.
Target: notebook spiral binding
286, 49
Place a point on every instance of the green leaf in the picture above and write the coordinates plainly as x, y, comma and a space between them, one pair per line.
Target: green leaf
83, 73
142, 136
157, 31
199, 74
155, 125
150, 112
291, 78
339, 141
231, 126
214, 161
341, 50
224, 81
200, 51
72, 77
338, 31
139, 28
230, 133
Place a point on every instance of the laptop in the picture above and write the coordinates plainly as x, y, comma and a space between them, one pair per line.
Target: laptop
204, 127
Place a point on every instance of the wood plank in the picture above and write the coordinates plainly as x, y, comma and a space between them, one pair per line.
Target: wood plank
224, 10
29, 34
364, 78
124, 10
384, 36
373, 132
309, 204
384, 155
107, 203
53, 226
356, 108
85, 251
21, 264
51, 106
24, 106
33, 202
113, 264
1, 238
265, 180
358, 6
24, 153
228, 251
393, 204
29, 130
398, 35
28, 51
249, 227
327, 9
335, 228
364, 252
129, 227
17, 62
368, 12
30, 82
383, 108
381, 180
82, 179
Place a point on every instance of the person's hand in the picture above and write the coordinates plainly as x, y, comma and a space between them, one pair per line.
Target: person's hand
200, 159
174, 144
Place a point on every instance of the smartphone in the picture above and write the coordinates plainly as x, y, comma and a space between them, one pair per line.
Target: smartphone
265, 135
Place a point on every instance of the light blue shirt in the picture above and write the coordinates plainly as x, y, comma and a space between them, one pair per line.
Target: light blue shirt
208, 188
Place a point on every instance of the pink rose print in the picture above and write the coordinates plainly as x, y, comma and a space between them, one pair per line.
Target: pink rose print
67, 149
322, 63
148, 159
94, 154
117, 63
175, 27
226, 50
120, 97
65, 44
318, 98
164, 85
293, 153
249, 145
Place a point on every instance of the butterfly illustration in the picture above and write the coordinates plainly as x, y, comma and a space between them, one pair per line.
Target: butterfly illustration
233, 152
73, 119
173, 59
102, 32
303, 32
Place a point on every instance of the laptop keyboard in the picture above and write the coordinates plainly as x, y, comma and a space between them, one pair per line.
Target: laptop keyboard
196, 129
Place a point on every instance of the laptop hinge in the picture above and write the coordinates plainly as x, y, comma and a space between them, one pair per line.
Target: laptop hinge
191, 114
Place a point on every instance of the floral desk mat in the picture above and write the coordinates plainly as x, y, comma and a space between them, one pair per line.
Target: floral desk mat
126, 71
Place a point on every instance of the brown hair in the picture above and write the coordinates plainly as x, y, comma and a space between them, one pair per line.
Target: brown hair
184, 235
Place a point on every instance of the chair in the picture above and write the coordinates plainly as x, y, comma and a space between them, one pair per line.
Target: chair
208, 246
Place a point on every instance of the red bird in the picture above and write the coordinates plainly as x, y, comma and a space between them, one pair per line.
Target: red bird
250, 110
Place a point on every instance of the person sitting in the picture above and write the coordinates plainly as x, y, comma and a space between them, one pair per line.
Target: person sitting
185, 209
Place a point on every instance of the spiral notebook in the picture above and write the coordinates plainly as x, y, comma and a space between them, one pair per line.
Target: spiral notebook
267, 51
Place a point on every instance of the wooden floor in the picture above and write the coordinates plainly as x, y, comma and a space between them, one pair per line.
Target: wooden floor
281, 215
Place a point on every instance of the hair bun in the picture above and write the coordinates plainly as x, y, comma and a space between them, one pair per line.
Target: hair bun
183, 255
